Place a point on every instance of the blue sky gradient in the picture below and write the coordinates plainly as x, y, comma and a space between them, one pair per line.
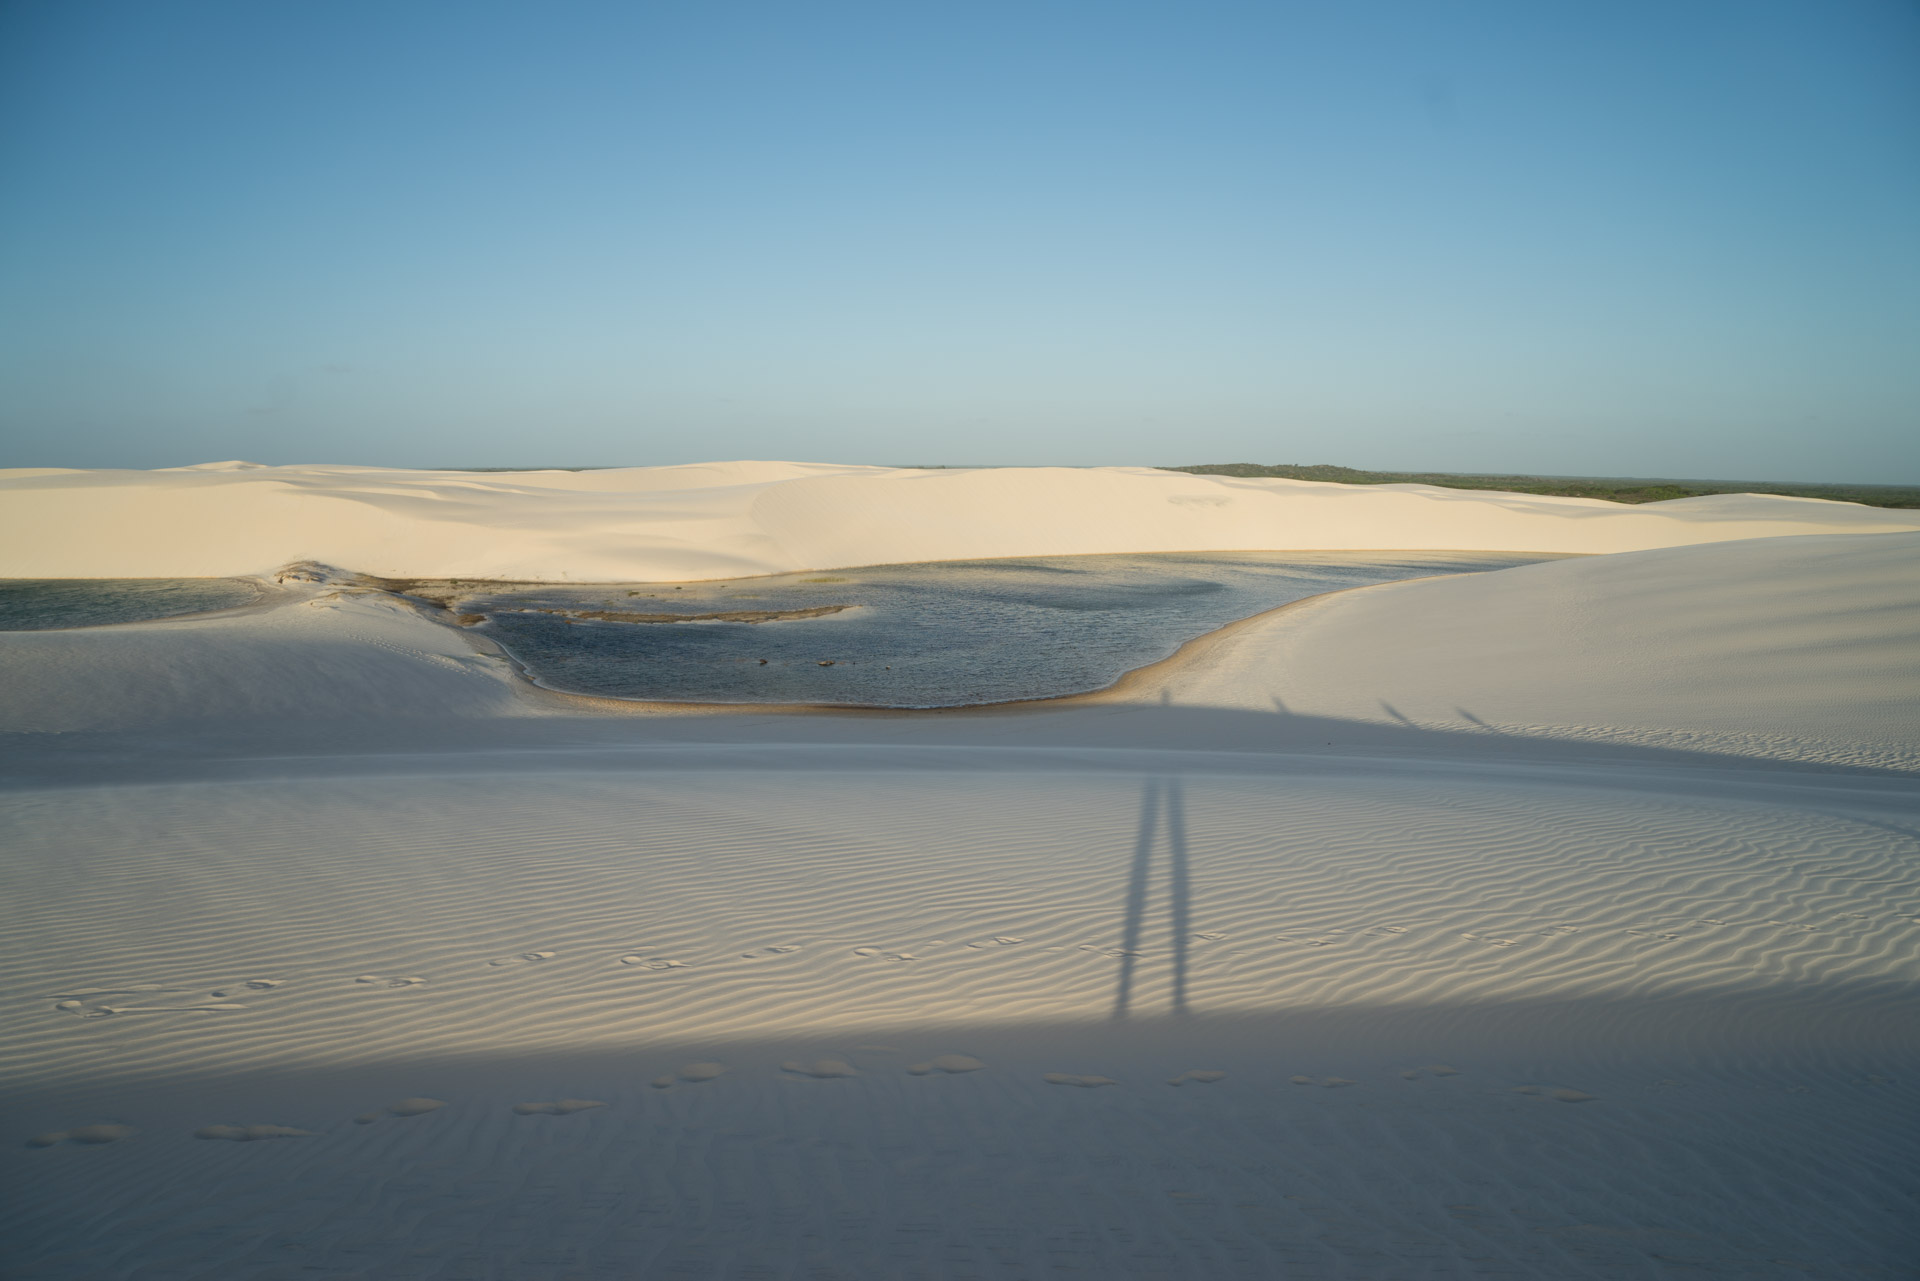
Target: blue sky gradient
1624, 239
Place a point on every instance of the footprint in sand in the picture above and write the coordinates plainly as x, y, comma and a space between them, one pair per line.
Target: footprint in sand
1328, 1082
85, 1002
782, 950
101, 1011
952, 1064
1556, 1093
521, 958
999, 940
871, 952
692, 1074
559, 1107
251, 985
1431, 1069
85, 1136
1084, 1082
405, 1107
1198, 1076
654, 962
250, 1133
80, 1009
374, 980
820, 1069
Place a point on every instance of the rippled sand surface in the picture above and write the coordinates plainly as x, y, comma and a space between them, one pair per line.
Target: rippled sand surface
1452, 1012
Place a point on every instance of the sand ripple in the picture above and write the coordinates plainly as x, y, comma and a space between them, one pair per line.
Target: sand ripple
1014, 898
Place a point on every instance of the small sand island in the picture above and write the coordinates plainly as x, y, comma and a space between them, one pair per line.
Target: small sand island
1486, 910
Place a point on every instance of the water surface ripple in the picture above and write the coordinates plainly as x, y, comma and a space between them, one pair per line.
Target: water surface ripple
928, 635
44, 604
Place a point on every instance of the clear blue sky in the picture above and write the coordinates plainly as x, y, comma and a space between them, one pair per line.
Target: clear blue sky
1641, 238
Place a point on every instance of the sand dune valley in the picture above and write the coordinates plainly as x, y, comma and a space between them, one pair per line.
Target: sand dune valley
1557, 921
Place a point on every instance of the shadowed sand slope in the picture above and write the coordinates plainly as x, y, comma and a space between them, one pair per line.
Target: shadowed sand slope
721, 520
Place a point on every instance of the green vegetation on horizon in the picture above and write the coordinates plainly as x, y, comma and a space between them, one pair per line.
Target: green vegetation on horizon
1613, 489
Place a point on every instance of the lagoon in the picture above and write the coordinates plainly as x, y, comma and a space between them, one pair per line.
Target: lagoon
924, 635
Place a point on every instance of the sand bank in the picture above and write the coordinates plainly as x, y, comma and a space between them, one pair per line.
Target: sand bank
1794, 648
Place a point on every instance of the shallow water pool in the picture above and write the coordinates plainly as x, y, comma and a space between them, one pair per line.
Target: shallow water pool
43, 604
929, 635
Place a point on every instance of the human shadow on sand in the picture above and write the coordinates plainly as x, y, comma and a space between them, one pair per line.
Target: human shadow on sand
1168, 796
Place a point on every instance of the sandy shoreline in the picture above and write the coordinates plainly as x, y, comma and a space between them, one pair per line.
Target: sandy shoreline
1173, 679
1130, 685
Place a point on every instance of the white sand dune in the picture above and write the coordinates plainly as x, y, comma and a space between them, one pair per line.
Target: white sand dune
1801, 648
1556, 922
724, 520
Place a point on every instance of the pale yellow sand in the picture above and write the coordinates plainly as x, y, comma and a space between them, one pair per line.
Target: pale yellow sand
723, 520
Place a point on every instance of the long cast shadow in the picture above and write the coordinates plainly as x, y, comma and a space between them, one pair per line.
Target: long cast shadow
1179, 890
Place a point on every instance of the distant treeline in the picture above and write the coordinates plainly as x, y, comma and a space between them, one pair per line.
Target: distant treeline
1613, 489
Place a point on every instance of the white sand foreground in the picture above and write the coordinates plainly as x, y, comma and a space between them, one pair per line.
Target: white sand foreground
1556, 922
